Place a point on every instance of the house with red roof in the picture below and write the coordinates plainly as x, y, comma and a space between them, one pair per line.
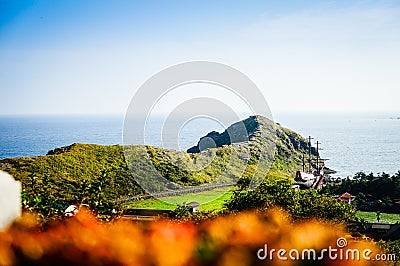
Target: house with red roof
346, 197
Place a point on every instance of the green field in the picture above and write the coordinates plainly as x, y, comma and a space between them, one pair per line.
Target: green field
385, 217
209, 200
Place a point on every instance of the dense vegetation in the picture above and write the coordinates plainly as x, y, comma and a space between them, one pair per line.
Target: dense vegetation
392, 247
302, 204
78, 174
373, 192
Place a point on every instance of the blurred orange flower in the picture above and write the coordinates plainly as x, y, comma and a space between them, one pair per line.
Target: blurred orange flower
233, 239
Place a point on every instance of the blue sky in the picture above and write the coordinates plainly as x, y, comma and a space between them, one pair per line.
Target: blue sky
60, 57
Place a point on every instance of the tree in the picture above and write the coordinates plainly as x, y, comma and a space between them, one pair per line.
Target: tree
300, 204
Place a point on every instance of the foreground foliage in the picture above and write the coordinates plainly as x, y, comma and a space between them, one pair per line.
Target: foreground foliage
227, 240
392, 247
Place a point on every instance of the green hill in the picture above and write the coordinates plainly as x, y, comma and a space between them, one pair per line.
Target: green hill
98, 175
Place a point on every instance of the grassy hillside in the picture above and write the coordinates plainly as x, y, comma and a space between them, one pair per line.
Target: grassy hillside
81, 173
98, 175
267, 146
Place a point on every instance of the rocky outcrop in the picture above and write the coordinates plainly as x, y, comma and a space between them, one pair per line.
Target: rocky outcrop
256, 133
255, 129
61, 150
243, 131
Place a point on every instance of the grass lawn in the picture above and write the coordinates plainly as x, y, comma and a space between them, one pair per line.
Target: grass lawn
385, 217
209, 200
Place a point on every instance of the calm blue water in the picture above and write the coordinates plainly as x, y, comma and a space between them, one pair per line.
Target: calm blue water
36, 135
352, 143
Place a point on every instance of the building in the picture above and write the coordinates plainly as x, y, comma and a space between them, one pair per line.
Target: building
305, 180
383, 231
347, 197
194, 206
296, 187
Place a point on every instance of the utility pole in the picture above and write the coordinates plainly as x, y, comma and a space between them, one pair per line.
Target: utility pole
304, 164
318, 156
309, 153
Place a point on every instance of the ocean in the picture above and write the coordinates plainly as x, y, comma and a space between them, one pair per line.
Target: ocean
352, 143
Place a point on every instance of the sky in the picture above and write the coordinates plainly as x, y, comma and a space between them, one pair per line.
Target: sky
89, 57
